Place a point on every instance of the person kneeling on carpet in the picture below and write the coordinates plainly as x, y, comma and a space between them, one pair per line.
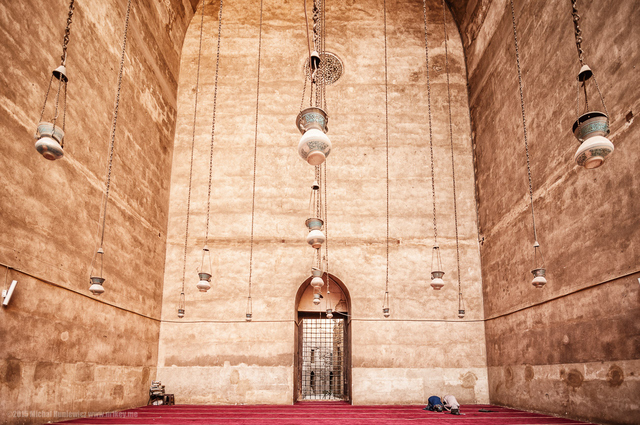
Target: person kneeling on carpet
451, 404
435, 404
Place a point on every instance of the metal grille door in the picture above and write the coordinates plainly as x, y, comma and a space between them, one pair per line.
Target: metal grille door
323, 366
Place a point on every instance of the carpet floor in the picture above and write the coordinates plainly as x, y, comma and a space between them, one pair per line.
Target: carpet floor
320, 413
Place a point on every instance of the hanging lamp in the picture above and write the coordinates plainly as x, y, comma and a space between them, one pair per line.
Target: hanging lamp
49, 138
96, 279
539, 269
249, 311
461, 309
206, 270
592, 126
314, 223
181, 305
436, 261
453, 167
315, 146
385, 299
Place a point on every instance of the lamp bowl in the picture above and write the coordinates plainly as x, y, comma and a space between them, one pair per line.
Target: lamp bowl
181, 313
593, 151
96, 287
591, 124
436, 280
248, 317
315, 238
314, 223
49, 141
314, 146
385, 312
461, 314
539, 279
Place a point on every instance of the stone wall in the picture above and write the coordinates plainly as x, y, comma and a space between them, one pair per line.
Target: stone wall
570, 348
212, 355
63, 350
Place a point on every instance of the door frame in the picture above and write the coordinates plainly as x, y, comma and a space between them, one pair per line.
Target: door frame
298, 316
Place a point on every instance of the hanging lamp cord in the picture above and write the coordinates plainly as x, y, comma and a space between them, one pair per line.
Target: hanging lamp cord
326, 230
193, 143
433, 174
578, 30
524, 119
113, 130
255, 153
213, 123
453, 165
386, 129
67, 32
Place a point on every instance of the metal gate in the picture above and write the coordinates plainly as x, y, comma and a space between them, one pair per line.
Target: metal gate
322, 358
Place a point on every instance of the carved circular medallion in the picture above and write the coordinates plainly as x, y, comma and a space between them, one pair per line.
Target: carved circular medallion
334, 68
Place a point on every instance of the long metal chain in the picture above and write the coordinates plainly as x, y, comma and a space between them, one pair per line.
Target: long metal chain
524, 119
213, 122
115, 121
386, 129
578, 31
255, 153
304, 90
193, 144
67, 32
326, 222
433, 174
453, 166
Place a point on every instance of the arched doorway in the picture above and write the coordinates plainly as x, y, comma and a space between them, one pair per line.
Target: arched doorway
322, 365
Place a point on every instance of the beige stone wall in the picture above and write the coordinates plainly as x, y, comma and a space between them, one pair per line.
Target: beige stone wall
572, 347
213, 355
62, 350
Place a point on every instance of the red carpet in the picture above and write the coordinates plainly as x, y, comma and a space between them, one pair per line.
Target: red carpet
320, 413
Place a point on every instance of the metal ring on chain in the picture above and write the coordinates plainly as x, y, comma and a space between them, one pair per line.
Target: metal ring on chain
332, 65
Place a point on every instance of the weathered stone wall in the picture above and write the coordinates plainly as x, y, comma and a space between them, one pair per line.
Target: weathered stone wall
213, 355
63, 350
570, 348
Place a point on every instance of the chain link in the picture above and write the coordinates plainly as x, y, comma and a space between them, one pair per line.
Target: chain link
386, 126
67, 32
213, 122
433, 174
255, 153
453, 166
578, 31
524, 120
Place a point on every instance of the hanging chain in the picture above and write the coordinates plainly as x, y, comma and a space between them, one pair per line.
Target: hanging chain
213, 122
433, 175
46, 97
67, 32
304, 90
255, 153
453, 167
55, 113
193, 143
601, 96
578, 31
326, 225
524, 120
115, 120
386, 127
